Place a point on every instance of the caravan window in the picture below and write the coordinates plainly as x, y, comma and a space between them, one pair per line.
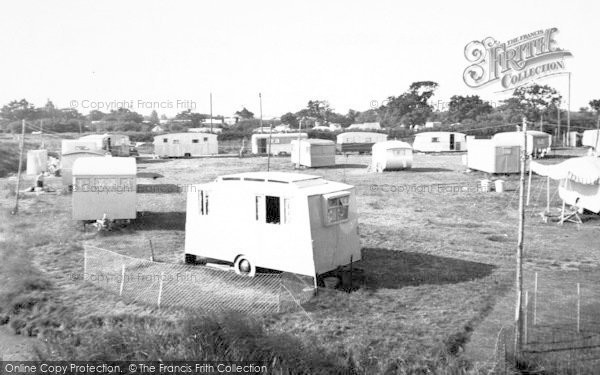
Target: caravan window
435, 140
337, 208
176, 141
203, 202
205, 139
268, 209
195, 140
165, 140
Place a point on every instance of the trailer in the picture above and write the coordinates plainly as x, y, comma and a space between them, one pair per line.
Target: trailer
116, 144
391, 155
289, 222
361, 142
490, 156
439, 142
281, 143
104, 188
538, 143
313, 152
591, 139
185, 145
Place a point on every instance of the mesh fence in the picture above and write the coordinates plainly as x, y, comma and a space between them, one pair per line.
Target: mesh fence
194, 287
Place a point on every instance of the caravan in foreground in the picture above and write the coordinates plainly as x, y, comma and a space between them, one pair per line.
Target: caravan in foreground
289, 222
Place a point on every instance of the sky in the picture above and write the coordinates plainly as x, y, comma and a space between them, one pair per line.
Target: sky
169, 56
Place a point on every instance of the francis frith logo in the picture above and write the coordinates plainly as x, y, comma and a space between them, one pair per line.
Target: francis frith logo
515, 62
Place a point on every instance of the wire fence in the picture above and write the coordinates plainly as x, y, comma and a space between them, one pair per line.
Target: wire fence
195, 287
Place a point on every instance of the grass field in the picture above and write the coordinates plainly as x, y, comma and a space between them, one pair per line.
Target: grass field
438, 258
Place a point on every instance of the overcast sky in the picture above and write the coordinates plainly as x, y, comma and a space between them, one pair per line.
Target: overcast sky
351, 53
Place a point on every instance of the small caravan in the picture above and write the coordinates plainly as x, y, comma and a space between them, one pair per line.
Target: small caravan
116, 144
179, 145
313, 152
439, 142
289, 222
490, 156
391, 155
281, 143
71, 150
591, 138
358, 141
538, 143
104, 188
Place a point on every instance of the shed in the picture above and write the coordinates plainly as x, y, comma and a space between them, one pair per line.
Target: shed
284, 221
391, 155
177, 145
281, 143
538, 142
358, 141
489, 156
37, 161
104, 186
439, 142
116, 144
591, 138
313, 152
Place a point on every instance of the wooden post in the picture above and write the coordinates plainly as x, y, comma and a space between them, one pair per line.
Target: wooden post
529, 184
160, 288
520, 238
569, 112
122, 280
151, 251
21, 146
525, 316
548, 194
535, 292
578, 307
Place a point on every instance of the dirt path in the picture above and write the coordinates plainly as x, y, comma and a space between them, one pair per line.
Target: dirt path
15, 347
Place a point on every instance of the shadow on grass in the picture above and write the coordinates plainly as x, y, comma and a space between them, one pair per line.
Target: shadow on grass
158, 188
344, 166
142, 160
393, 269
419, 170
149, 220
149, 175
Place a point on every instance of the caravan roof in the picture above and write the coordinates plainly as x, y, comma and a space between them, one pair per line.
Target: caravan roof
106, 166
389, 145
307, 184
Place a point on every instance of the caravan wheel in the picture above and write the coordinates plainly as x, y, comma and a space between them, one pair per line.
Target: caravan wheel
243, 266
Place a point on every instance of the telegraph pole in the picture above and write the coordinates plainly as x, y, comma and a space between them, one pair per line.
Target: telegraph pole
519, 273
569, 113
211, 124
22, 145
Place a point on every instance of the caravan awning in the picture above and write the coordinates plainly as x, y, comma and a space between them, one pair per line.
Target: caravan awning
584, 170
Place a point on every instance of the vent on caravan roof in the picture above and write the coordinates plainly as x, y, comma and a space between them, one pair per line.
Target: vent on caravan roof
254, 179
279, 181
230, 178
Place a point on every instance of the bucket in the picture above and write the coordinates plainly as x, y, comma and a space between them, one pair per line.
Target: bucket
331, 282
485, 185
499, 185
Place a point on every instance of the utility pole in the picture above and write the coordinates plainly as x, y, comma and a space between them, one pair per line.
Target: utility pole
299, 132
569, 113
558, 137
211, 129
597, 133
270, 133
42, 133
519, 273
22, 145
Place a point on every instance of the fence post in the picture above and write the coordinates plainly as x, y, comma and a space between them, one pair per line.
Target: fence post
151, 251
578, 307
160, 287
535, 292
122, 280
525, 316
84, 262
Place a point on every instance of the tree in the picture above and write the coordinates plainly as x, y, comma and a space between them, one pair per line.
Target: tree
467, 107
245, 114
18, 110
290, 119
370, 115
154, 118
538, 99
410, 108
595, 105
95, 115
